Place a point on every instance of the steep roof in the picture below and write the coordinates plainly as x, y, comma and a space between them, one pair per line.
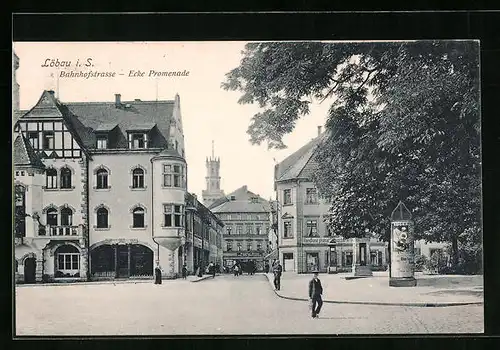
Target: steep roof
84, 119
300, 164
24, 153
242, 203
138, 115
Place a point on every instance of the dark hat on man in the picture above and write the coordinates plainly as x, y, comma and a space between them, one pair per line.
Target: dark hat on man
315, 271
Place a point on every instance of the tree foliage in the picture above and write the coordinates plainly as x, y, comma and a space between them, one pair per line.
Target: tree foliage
403, 125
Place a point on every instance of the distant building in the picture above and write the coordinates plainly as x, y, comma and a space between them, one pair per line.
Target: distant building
303, 238
204, 240
246, 218
213, 191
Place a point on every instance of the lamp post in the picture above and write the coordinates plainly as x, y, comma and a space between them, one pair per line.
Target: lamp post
275, 225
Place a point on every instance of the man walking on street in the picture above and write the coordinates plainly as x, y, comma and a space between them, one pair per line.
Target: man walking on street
315, 292
277, 275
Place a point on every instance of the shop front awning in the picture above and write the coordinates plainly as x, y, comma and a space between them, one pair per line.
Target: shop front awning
272, 255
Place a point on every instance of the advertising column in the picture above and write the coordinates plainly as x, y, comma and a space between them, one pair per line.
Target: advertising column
402, 248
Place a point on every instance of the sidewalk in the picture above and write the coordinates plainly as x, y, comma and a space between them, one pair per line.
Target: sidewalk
431, 290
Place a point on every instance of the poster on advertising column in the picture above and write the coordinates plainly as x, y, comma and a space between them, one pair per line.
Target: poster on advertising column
402, 249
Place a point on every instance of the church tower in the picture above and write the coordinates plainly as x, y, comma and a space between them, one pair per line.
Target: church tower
213, 191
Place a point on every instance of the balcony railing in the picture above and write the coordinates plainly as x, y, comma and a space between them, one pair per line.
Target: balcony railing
55, 231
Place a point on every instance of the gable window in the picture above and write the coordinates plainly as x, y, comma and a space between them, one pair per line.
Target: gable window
173, 215
102, 178
311, 196
65, 177
66, 217
137, 140
51, 178
52, 217
287, 229
102, 218
138, 217
287, 196
312, 228
138, 178
48, 140
173, 175
33, 139
102, 142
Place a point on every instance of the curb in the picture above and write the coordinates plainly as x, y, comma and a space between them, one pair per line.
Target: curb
204, 278
443, 304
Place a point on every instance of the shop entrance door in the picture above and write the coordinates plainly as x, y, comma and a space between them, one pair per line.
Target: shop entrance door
123, 266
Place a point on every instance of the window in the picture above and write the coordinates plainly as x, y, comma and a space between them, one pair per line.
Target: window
259, 246
138, 217
173, 175
249, 230
228, 230
287, 196
239, 229
65, 177
239, 246
312, 228
173, 215
51, 178
138, 178
66, 217
102, 218
287, 229
48, 140
258, 230
176, 145
249, 246
68, 261
311, 196
229, 246
102, 142
52, 217
102, 179
33, 139
137, 141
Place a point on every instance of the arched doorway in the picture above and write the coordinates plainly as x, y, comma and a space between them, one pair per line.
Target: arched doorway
29, 270
121, 261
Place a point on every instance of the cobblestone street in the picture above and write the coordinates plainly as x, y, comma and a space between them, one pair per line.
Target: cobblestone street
224, 305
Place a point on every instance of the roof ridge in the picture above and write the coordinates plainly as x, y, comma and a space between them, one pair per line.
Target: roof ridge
112, 103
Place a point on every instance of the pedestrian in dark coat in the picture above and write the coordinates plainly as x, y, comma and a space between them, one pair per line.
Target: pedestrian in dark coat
184, 271
315, 292
158, 274
277, 270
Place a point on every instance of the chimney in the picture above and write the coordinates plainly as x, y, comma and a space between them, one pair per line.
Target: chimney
118, 100
51, 92
319, 130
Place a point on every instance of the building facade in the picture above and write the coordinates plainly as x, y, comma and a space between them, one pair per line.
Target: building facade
203, 236
103, 189
303, 238
247, 223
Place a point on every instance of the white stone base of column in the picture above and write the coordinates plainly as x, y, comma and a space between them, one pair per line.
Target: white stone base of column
402, 282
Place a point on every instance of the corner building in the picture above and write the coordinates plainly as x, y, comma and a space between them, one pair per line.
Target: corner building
303, 237
109, 186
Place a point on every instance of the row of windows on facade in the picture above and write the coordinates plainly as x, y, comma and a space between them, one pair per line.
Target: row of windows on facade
135, 140
173, 216
172, 175
229, 246
345, 258
243, 216
311, 196
311, 229
249, 229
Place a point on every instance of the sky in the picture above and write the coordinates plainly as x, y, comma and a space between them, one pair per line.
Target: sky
209, 113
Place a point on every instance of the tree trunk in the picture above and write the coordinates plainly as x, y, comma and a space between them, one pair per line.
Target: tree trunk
454, 251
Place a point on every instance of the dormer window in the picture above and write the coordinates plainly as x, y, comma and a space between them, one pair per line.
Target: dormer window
102, 142
137, 140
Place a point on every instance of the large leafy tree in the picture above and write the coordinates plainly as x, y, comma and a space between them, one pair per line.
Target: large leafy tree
403, 125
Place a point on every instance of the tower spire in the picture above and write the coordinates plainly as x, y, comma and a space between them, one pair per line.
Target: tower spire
213, 149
